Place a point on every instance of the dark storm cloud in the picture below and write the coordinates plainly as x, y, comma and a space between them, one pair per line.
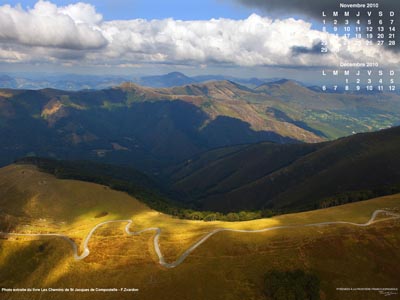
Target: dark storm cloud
312, 8
315, 49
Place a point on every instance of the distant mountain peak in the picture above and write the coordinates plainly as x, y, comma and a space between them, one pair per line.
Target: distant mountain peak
128, 85
177, 74
281, 81
5, 77
168, 80
284, 84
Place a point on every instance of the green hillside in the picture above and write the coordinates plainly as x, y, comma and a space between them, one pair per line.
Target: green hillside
294, 177
250, 181
154, 128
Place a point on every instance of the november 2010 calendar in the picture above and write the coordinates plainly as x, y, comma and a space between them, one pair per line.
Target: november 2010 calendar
369, 27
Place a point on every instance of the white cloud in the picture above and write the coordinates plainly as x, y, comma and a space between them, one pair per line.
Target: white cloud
46, 25
82, 13
250, 42
77, 34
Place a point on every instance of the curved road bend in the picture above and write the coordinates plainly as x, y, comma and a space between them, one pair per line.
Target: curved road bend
187, 252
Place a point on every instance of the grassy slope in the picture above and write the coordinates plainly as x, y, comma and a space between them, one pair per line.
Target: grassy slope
335, 115
228, 266
293, 177
224, 173
143, 127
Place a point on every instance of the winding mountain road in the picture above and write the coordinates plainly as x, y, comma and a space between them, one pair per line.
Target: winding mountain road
185, 254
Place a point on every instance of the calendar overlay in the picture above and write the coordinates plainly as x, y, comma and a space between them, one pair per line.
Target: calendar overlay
369, 25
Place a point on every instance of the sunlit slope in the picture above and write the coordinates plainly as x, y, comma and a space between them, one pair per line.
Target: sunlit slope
227, 266
154, 128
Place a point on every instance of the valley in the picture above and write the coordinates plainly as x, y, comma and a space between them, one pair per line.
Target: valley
136, 188
251, 181
151, 129
289, 177
130, 261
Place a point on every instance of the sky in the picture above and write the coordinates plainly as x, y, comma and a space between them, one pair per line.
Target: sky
161, 9
246, 38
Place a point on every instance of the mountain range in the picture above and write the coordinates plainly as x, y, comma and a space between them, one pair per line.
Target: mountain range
76, 82
291, 177
257, 179
153, 128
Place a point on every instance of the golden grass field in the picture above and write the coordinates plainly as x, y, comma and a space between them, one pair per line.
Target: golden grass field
227, 266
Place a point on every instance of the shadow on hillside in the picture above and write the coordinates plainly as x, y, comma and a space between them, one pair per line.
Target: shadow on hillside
28, 262
145, 135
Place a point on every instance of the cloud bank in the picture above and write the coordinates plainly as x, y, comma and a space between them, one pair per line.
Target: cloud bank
77, 35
